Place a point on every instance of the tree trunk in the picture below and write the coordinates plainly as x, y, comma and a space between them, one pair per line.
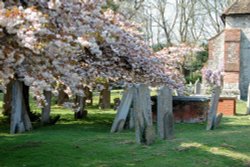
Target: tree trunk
104, 101
81, 113
62, 97
20, 121
26, 98
7, 100
46, 110
88, 96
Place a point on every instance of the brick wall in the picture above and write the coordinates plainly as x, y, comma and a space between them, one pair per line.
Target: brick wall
231, 77
190, 112
232, 50
227, 106
186, 109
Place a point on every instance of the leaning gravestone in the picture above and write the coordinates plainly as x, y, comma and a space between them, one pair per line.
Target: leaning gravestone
213, 108
218, 120
123, 110
248, 100
45, 117
165, 118
144, 129
131, 118
197, 88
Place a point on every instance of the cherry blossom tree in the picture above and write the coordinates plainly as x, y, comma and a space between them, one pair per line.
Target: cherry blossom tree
175, 59
73, 43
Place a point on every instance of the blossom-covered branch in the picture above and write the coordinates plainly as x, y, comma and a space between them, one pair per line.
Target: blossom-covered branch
74, 43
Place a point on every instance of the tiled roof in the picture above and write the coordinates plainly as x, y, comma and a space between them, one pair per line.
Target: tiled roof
239, 7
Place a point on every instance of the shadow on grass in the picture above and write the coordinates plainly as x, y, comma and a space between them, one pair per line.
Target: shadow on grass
240, 114
88, 142
95, 121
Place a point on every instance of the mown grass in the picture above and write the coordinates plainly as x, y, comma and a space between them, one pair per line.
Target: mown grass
73, 143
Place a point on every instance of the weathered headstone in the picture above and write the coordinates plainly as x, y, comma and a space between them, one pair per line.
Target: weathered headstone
120, 125
176, 93
165, 118
123, 110
105, 97
213, 108
45, 118
203, 89
144, 130
62, 96
20, 121
131, 118
117, 102
88, 95
197, 87
81, 112
218, 120
248, 100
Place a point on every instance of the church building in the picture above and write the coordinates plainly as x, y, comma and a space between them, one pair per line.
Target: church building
229, 51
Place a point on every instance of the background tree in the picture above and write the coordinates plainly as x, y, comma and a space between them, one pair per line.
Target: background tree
175, 21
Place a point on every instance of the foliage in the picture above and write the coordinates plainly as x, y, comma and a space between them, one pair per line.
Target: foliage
193, 68
73, 43
212, 77
157, 47
111, 5
201, 58
194, 76
176, 58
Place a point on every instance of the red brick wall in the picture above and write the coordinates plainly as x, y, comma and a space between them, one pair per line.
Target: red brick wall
232, 35
231, 77
190, 112
232, 50
185, 111
227, 106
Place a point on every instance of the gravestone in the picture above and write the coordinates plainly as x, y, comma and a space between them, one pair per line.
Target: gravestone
135, 111
131, 118
81, 103
123, 110
165, 118
88, 95
176, 93
248, 100
213, 108
145, 133
117, 102
120, 124
45, 118
105, 97
197, 87
62, 96
218, 120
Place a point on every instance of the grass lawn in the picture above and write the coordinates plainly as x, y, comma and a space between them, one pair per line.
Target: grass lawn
72, 143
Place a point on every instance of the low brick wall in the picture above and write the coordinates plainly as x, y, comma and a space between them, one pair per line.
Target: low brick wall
227, 106
186, 109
